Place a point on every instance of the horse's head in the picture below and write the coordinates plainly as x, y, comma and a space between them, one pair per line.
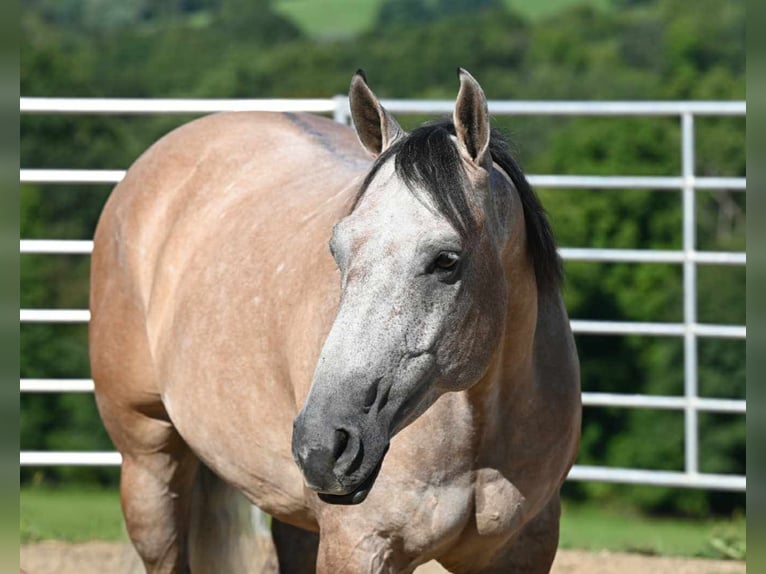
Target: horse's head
422, 257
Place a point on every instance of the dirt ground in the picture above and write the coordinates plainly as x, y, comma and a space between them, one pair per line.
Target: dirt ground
108, 557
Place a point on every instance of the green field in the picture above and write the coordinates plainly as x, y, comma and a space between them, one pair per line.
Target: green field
71, 514
78, 515
332, 18
590, 527
343, 18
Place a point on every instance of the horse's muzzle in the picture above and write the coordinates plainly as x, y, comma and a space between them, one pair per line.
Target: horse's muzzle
334, 464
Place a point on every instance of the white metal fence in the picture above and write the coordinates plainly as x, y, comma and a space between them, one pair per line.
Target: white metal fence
687, 182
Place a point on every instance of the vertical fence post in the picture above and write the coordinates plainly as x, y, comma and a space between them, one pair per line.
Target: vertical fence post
691, 427
342, 113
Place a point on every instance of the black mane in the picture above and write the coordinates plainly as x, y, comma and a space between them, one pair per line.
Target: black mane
428, 159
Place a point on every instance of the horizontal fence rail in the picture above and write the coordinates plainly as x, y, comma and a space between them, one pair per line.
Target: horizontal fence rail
629, 401
687, 182
56, 385
132, 106
112, 176
116, 106
85, 246
578, 473
578, 325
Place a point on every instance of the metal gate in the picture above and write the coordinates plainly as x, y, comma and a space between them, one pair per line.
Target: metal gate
688, 257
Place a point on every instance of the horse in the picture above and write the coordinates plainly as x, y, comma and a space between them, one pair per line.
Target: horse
410, 393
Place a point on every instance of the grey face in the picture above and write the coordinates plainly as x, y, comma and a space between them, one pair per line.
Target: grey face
422, 307
420, 314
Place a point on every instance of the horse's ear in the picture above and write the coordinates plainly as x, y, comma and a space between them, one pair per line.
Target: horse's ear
471, 118
376, 129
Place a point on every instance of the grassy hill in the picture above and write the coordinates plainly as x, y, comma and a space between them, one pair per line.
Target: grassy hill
343, 18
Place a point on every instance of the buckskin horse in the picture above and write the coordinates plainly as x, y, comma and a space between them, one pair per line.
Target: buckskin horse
409, 394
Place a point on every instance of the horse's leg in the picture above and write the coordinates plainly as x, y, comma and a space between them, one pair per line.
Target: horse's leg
157, 478
296, 548
158, 468
534, 548
156, 489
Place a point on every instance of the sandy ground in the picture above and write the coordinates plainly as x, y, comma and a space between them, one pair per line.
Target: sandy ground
108, 557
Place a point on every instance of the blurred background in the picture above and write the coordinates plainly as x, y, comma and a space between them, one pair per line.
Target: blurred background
518, 50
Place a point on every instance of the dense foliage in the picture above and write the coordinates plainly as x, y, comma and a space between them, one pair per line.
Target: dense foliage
635, 49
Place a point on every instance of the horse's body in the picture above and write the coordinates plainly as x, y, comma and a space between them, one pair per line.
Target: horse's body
213, 293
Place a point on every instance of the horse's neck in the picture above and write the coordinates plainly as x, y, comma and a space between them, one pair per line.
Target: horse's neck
525, 412
536, 352
509, 383
508, 389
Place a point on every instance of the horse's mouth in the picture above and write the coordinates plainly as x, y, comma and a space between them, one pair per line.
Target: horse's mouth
357, 495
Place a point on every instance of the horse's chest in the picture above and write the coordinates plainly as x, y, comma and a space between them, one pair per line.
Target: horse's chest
499, 504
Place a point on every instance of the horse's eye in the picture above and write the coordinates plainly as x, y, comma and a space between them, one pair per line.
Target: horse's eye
446, 261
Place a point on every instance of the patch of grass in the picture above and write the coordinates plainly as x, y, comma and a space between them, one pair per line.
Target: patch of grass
348, 18
536, 10
79, 514
728, 541
72, 514
590, 527
331, 18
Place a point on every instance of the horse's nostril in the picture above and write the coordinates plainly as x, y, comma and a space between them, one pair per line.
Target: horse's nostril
348, 453
340, 444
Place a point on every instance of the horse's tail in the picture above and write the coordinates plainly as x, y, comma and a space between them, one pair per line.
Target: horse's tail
226, 532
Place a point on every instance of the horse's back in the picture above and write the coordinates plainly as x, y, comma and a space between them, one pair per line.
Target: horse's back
221, 171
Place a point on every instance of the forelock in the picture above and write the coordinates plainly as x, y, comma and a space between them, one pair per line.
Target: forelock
428, 162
